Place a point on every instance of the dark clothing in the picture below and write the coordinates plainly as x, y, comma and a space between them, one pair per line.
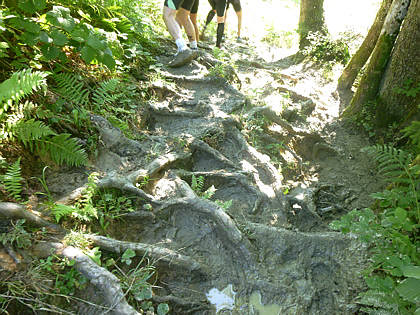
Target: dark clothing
222, 5
219, 6
189, 5
236, 5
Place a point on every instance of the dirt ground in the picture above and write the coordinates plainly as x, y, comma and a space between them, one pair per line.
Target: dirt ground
264, 132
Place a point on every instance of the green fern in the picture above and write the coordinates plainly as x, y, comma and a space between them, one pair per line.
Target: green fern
197, 184
393, 163
19, 85
12, 180
39, 138
72, 88
105, 93
31, 130
62, 149
59, 211
413, 132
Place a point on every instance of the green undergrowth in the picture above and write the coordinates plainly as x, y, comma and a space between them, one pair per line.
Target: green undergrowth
61, 62
390, 228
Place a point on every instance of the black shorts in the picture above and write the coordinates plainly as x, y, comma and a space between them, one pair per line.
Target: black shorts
219, 6
189, 5
236, 5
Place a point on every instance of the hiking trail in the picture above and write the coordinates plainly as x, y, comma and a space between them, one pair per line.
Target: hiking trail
268, 138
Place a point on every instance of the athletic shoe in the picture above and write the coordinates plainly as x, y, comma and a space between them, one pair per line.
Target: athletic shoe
195, 53
182, 58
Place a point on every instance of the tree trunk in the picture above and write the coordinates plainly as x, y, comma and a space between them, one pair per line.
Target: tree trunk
403, 67
371, 80
362, 55
311, 19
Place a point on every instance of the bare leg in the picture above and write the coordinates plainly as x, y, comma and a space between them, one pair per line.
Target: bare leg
171, 23
193, 17
183, 18
239, 14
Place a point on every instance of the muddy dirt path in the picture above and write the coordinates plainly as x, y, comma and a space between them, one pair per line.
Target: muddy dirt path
282, 165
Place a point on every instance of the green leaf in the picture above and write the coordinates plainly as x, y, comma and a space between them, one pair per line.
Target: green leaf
50, 52
45, 38
59, 38
88, 54
128, 254
60, 17
4, 45
32, 6
144, 294
108, 61
409, 290
80, 34
29, 39
163, 309
95, 42
400, 214
411, 271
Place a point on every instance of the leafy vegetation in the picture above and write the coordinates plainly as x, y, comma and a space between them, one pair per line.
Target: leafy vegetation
391, 231
62, 61
323, 48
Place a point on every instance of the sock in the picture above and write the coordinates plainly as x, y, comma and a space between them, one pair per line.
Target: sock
180, 44
210, 17
193, 44
220, 30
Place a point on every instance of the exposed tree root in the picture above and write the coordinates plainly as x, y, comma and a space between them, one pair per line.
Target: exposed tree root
202, 146
259, 165
15, 211
158, 254
270, 114
114, 139
157, 165
165, 111
240, 178
226, 228
106, 282
127, 182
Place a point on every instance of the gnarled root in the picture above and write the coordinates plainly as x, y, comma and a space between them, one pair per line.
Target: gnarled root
15, 211
106, 282
160, 255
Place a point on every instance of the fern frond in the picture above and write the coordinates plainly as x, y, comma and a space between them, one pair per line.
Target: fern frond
393, 163
12, 180
413, 132
71, 88
19, 85
59, 211
62, 149
104, 94
31, 130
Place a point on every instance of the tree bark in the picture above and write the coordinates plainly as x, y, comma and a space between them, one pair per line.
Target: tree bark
371, 80
311, 19
362, 55
403, 66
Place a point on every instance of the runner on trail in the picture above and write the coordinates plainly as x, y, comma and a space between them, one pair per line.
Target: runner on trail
217, 8
176, 13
